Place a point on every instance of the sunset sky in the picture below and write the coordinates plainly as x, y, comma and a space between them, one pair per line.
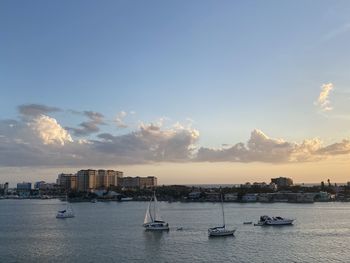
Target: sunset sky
193, 92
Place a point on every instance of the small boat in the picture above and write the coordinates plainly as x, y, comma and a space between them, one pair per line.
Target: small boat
274, 221
220, 231
180, 228
153, 220
247, 223
66, 213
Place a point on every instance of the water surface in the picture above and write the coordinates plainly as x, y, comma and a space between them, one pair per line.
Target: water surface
113, 232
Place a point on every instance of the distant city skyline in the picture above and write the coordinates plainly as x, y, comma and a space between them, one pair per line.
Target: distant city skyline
190, 92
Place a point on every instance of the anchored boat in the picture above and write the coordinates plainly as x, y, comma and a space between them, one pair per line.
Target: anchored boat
221, 230
153, 220
274, 221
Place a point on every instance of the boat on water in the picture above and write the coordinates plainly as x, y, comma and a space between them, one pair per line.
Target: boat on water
274, 221
153, 220
220, 231
66, 213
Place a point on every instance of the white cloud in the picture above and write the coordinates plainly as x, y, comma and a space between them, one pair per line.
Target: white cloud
119, 120
323, 101
33, 141
261, 148
49, 131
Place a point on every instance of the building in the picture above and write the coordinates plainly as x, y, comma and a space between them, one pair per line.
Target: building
4, 188
232, 197
25, 186
23, 189
138, 182
282, 181
86, 180
67, 181
107, 178
250, 198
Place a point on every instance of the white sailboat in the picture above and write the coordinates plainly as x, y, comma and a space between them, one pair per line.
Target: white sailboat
220, 231
153, 220
67, 212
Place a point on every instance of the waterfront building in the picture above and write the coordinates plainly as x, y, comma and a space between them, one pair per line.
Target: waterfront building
23, 189
4, 188
231, 197
138, 182
194, 195
86, 180
250, 198
24, 186
282, 181
107, 178
67, 181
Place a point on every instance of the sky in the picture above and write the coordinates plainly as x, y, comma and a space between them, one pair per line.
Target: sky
189, 91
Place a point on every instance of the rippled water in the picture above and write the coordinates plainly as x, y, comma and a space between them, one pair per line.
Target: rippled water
113, 232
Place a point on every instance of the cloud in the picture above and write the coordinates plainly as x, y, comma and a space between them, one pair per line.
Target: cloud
90, 126
149, 143
322, 100
40, 140
44, 142
261, 148
119, 120
36, 109
49, 131
342, 147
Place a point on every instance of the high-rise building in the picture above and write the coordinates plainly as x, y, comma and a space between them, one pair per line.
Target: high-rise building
138, 182
86, 180
67, 181
107, 178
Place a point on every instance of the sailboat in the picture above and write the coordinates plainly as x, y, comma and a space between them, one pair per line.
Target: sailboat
153, 220
221, 230
66, 213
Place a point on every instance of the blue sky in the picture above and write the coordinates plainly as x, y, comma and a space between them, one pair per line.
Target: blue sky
230, 66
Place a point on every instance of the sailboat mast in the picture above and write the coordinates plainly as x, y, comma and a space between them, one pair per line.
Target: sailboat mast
222, 208
154, 206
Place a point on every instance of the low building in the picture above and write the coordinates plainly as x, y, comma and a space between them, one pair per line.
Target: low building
232, 197
23, 189
194, 195
282, 181
250, 198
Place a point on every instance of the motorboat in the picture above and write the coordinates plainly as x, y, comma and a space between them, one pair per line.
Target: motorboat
274, 221
220, 231
153, 220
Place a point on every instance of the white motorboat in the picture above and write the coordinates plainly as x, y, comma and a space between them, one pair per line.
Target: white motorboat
153, 220
274, 221
66, 213
220, 231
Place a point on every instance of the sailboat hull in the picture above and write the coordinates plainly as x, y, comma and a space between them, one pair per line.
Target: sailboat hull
156, 226
221, 233
64, 215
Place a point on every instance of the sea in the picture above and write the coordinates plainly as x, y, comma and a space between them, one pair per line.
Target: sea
113, 232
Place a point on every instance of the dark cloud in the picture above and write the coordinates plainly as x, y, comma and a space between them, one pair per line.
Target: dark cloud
36, 109
88, 127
